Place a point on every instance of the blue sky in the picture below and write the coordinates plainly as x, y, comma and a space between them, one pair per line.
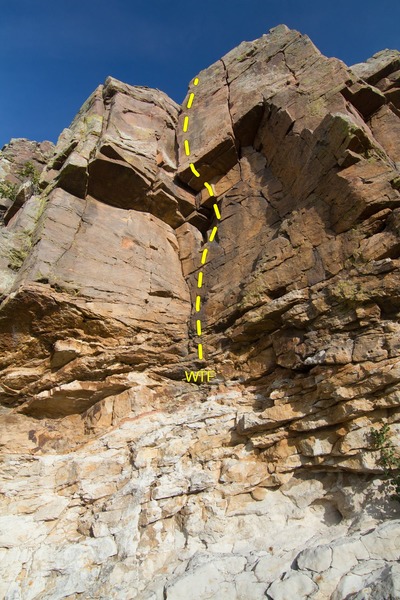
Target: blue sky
55, 52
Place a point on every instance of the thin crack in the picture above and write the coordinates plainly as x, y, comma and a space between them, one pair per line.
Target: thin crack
230, 115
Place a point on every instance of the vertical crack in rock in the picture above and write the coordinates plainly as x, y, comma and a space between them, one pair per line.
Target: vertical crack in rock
235, 142
75, 235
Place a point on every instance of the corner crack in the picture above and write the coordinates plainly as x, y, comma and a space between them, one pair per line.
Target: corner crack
230, 115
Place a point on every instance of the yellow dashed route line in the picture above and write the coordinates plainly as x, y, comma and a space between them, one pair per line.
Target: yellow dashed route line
216, 211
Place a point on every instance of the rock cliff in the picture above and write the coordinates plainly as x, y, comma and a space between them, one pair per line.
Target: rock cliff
121, 478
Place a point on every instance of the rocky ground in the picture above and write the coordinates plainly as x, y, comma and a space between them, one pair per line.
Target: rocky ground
122, 480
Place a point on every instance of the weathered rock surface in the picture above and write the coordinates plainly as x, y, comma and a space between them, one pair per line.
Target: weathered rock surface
120, 478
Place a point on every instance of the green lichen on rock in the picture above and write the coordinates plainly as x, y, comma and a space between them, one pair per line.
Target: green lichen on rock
349, 292
23, 245
389, 459
8, 190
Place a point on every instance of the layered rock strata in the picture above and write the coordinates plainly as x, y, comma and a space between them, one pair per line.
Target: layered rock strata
122, 479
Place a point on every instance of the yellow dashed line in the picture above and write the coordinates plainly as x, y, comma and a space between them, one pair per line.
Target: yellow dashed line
198, 326
190, 101
209, 188
217, 213
193, 169
212, 235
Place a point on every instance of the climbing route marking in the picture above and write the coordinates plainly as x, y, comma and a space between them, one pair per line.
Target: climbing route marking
193, 169
214, 229
190, 101
198, 326
209, 188
212, 235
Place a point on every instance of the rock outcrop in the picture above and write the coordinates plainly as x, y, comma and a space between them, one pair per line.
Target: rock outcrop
122, 479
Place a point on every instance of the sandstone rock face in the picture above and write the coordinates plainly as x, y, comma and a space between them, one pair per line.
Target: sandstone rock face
121, 478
